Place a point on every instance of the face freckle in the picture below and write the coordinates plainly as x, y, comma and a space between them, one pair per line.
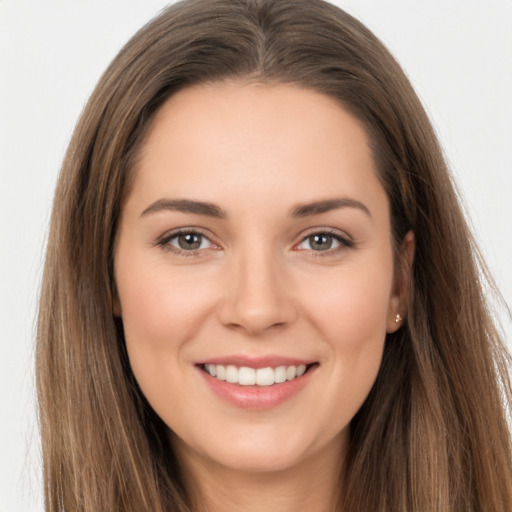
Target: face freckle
256, 235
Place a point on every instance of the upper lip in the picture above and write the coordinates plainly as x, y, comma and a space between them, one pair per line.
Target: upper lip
256, 362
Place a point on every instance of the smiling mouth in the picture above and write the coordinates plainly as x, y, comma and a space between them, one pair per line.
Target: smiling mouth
265, 377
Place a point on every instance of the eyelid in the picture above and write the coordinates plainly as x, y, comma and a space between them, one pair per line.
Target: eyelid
344, 240
164, 241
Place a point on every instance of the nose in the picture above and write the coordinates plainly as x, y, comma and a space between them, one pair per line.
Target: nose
258, 297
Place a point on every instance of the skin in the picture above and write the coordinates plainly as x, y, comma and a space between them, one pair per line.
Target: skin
257, 286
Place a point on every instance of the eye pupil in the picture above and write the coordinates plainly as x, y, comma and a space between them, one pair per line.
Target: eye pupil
190, 241
320, 242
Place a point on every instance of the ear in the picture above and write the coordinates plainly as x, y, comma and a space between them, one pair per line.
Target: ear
398, 301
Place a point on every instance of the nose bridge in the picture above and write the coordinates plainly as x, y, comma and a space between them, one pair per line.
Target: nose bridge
257, 294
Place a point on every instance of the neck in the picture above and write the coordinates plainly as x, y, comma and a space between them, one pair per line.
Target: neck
312, 485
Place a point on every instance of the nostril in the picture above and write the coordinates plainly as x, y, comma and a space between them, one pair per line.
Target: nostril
257, 303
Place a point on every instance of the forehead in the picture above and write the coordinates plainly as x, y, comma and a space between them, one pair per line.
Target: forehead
270, 142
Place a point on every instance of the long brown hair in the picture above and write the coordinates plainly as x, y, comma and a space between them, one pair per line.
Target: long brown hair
431, 436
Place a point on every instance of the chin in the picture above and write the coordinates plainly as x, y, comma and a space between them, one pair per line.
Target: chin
261, 448
255, 459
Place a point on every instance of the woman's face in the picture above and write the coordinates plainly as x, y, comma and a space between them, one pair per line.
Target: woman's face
255, 243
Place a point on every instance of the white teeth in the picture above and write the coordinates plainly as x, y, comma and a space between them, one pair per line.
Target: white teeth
280, 374
301, 370
247, 376
211, 369
250, 376
291, 372
220, 372
231, 374
265, 376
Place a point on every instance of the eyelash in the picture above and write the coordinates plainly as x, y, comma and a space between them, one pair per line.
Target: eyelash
344, 242
164, 242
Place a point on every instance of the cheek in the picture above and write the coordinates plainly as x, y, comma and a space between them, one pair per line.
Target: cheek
351, 307
160, 310
157, 306
160, 315
351, 314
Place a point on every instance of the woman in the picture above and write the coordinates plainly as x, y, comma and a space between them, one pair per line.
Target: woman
260, 291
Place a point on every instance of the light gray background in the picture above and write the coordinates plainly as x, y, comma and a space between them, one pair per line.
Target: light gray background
458, 54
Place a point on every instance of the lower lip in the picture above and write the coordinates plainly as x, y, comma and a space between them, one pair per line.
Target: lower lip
257, 397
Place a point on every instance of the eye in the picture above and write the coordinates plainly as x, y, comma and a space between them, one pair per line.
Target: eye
324, 242
186, 243
189, 241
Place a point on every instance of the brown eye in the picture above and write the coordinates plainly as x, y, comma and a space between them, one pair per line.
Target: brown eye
321, 242
190, 241
325, 242
186, 243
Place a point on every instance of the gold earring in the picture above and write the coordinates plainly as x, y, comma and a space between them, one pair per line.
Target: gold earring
398, 318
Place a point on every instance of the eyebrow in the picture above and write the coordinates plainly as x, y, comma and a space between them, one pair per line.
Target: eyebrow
318, 207
186, 206
212, 210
